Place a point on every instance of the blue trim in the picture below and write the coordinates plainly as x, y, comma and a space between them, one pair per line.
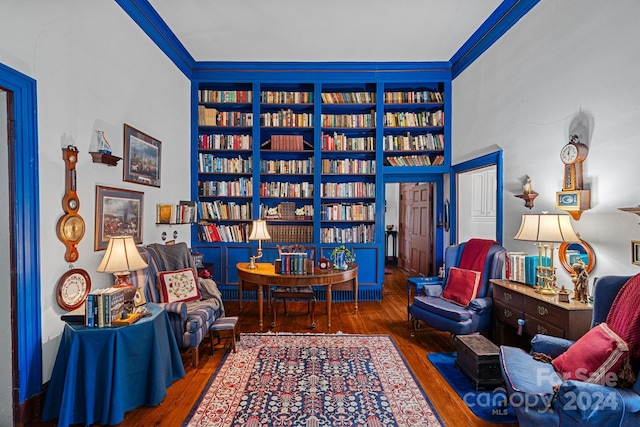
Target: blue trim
494, 158
159, 32
499, 22
25, 233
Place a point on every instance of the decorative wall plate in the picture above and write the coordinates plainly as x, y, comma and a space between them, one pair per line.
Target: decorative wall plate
73, 288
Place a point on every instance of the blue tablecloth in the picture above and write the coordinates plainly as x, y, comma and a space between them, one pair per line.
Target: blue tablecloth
100, 373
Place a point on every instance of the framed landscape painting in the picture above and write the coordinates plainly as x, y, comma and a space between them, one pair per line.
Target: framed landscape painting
142, 157
118, 213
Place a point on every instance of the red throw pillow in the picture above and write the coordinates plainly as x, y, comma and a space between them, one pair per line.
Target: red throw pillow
179, 285
462, 286
595, 358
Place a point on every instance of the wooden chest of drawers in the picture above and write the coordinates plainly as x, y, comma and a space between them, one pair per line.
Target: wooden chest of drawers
516, 305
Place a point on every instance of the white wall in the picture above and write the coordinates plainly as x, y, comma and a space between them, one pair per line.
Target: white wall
567, 64
94, 69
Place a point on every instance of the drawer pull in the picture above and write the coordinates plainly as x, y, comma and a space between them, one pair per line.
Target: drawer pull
507, 296
542, 311
541, 329
507, 313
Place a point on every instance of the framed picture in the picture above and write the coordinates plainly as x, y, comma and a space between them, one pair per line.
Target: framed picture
635, 252
118, 213
142, 158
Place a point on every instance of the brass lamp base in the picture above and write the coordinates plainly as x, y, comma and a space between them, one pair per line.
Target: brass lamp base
546, 290
252, 264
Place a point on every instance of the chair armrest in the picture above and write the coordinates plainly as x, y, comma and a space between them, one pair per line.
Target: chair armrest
552, 346
178, 308
584, 404
481, 305
432, 290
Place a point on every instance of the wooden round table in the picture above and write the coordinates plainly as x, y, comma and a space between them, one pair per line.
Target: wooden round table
265, 275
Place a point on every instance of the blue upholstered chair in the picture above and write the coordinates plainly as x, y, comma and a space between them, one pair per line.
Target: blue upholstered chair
190, 321
445, 315
530, 383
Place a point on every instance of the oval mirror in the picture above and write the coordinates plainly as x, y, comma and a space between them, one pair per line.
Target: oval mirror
569, 253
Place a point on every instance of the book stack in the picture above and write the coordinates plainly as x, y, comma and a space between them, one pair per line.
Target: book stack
292, 263
103, 306
183, 213
523, 268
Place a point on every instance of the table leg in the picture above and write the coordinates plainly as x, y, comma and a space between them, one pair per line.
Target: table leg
408, 301
260, 300
240, 294
355, 292
328, 298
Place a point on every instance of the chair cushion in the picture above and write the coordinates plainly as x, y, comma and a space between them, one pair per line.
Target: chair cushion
179, 285
595, 358
442, 308
462, 286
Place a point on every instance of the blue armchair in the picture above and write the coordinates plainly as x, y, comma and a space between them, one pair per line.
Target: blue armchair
444, 315
530, 383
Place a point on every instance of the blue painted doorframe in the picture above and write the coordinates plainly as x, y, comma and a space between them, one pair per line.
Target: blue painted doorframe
494, 158
24, 234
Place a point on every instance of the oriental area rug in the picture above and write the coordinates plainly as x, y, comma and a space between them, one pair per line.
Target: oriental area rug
313, 380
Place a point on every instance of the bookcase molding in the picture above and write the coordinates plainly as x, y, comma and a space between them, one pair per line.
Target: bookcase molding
322, 143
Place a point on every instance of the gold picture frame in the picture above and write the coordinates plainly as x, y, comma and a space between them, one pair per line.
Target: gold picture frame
635, 252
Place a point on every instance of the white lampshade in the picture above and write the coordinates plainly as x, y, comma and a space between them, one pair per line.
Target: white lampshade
551, 228
259, 230
121, 256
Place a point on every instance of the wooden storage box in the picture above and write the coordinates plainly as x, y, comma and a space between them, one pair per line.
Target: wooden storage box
478, 358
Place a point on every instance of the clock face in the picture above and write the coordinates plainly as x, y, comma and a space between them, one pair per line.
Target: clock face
73, 288
569, 153
323, 263
72, 228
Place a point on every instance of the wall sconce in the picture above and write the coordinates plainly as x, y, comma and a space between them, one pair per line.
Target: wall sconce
546, 230
259, 232
527, 194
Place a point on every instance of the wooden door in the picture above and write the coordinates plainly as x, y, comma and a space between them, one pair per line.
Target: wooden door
415, 236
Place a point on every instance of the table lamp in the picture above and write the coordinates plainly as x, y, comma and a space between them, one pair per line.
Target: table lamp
546, 229
259, 232
121, 258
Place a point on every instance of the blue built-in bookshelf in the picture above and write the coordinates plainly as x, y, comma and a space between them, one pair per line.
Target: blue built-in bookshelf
309, 148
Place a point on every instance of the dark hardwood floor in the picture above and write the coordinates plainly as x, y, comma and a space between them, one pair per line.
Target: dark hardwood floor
388, 316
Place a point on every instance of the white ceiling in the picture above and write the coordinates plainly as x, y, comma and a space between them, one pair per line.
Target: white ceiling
326, 30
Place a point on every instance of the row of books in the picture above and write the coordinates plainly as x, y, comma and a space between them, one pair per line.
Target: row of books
183, 213
286, 189
287, 143
218, 210
348, 189
429, 141
367, 120
285, 97
286, 118
213, 117
348, 212
234, 96
103, 307
348, 166
224, 233
348, 97
341, 142
291, 233
356, 234
413, 119
293, 263
412, 97
414, 160
241, 187
287, 167
208, 163
215, 141
523, 268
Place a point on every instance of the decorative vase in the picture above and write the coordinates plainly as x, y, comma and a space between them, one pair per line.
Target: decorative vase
340, 262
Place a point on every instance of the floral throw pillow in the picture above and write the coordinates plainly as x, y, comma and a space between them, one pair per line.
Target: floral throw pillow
179, 285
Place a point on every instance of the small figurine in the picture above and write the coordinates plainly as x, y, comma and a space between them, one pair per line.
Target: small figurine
580, 281
563, 295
